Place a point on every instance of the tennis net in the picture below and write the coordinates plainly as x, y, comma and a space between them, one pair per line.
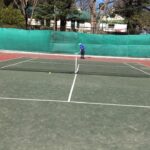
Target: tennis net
41, 65
112, 69
78, 66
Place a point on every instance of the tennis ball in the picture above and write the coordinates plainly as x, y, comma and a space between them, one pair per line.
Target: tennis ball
49, 73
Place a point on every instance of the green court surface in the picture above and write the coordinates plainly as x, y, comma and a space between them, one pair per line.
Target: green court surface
106, 89
45, 106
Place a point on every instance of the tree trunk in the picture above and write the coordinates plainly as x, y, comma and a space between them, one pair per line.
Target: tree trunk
73, 25
93, 15
63, 24
93, 23
55, 25
26, 20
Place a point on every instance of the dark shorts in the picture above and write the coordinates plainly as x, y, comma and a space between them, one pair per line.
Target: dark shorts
82, 52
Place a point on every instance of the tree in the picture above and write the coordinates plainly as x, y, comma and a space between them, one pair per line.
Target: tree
131, 10
56, 9
10, 17
1, 4
83, 4
7, 2
45, 11
64, 8
26, 7
93, 15
91, 6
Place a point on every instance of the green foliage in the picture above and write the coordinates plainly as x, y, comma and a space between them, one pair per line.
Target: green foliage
44, 11
11, 17
56, 8
143, 18
64, 7
134, 13
114, 21
59, 8
1, 4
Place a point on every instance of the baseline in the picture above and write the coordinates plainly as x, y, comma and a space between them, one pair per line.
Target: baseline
75, 102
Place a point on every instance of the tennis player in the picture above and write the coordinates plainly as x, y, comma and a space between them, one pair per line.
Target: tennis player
82, 50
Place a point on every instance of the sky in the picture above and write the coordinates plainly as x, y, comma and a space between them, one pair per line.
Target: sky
99, 1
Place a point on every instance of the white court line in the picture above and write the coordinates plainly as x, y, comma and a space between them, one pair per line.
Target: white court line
75, 102
10, 59
137, 69
15, 63
110, 104
72, 87
32, 99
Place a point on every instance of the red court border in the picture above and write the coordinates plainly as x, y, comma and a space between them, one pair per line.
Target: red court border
4, 56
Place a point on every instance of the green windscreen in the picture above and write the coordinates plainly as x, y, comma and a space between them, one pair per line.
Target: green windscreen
67, 42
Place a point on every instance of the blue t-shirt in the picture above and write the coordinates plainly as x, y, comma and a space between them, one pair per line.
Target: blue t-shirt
82, 47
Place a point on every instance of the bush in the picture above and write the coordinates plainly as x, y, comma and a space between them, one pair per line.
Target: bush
11, 17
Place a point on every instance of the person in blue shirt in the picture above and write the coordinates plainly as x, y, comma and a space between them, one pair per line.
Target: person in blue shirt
82, 50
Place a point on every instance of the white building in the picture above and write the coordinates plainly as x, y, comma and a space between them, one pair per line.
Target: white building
34, 22
113, 24
120, 28
81, 27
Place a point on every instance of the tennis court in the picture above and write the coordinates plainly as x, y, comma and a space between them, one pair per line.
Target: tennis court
73, 104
